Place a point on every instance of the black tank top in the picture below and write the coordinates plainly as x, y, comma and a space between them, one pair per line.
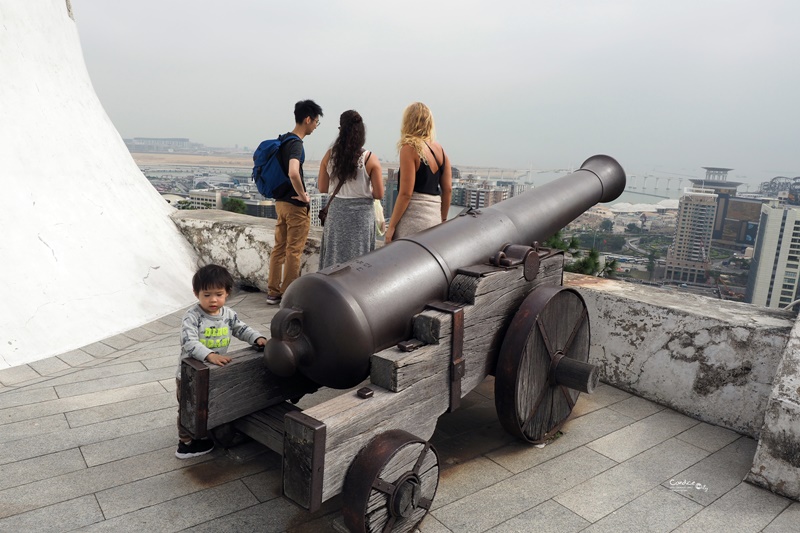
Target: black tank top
427, 181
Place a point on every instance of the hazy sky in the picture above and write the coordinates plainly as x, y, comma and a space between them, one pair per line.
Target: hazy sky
663, 86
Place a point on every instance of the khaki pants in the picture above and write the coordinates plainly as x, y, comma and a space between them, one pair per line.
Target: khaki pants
291, 232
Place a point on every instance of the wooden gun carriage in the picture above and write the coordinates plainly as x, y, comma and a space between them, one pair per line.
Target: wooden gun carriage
507, 316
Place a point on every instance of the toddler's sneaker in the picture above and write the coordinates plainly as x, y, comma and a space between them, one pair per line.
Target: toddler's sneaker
273, 300
195, 448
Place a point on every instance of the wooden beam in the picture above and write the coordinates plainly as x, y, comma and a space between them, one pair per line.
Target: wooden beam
213, 395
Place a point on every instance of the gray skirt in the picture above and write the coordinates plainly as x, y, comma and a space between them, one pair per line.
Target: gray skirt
349, 231
424, 211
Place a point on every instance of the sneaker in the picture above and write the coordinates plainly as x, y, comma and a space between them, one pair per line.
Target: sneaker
195, 448
273, 300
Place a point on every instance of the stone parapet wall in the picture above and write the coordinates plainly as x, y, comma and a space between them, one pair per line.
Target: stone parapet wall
240, 243
776, 465
711, 359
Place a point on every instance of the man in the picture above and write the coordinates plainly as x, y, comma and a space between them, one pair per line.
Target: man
292, 204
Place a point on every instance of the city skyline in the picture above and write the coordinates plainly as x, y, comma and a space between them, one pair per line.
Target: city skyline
666, 87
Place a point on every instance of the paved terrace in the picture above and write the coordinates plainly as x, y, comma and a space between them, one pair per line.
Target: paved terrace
89, 436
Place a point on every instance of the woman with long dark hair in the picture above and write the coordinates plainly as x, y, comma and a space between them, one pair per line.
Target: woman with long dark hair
425, 188
355, 176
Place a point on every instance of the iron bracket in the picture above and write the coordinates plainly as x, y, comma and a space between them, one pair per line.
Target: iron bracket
457, 363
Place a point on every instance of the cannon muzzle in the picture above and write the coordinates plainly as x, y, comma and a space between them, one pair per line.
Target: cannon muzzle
331, 322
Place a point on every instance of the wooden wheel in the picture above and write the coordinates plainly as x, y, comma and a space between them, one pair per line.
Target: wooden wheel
542, 365
391, 484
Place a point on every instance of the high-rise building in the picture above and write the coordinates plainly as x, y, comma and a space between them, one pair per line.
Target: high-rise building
773, 279
688, 256
736, 219
390, 191
318, 201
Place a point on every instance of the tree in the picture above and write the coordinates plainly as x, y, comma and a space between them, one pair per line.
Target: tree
651, 263
607, 225
610, 269
633, 228
558, 242
234, 205
588, 265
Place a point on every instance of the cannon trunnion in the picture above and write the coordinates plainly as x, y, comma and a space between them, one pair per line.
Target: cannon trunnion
426, 319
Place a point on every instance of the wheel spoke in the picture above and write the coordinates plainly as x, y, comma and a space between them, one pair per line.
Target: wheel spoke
578, 325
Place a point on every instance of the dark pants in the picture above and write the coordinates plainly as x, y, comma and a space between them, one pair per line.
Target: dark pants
183, 435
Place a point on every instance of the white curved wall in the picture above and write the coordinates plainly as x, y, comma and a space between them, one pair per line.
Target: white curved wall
87, 249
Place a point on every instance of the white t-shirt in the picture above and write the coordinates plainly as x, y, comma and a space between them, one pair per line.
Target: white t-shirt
361, 187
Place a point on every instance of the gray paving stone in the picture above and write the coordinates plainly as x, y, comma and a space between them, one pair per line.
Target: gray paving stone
160, 488
547, 517
171, 516
41, 381
485, 388
90, 480
119, 342
92, 415
603, 396
65, 516
657, 511
636, 408
45, 402
607, 492
173, 320
72, 438
155, 352
16, 398
161, 362
140, 335
708, 437
786, 522
266, 485
502, 501
168, 384
98, 349
456, 483
158, 327
744, 509
106, 451
642, 435
274, 516
464, 447
715, 475
76, 357
114, 382
429, 524
474, 411
33, 428
38, 468
17, 375
49, 366
97, 372
520, 456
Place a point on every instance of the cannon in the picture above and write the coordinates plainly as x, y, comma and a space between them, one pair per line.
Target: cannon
413, 326
369, 302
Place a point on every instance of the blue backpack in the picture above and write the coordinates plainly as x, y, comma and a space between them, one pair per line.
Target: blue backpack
267, 170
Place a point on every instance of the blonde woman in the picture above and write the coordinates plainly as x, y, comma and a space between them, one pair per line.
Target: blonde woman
426, 180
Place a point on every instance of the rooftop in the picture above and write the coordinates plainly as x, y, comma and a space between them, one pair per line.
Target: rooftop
90, 434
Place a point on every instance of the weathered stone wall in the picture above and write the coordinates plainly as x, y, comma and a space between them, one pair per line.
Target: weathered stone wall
776, 465
240, 243
711, 359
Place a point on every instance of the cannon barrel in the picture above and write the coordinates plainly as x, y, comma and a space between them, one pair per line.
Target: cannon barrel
331, 322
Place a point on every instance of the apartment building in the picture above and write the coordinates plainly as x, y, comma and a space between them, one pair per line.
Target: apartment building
773, 280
